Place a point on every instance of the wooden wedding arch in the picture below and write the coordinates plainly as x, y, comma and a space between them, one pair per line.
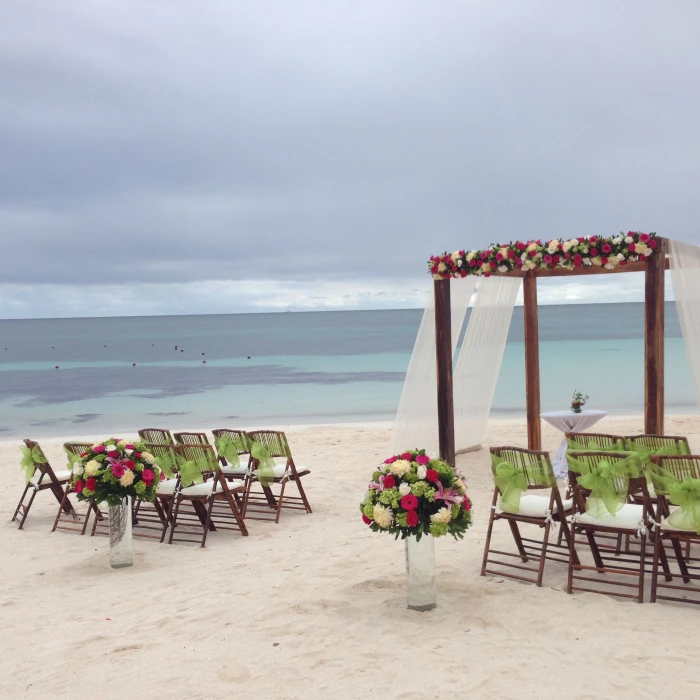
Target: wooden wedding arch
654, 293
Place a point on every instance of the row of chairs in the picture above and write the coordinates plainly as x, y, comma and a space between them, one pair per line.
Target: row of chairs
636, 472
223, 500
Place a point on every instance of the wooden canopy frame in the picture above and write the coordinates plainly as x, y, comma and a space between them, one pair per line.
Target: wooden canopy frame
654, 295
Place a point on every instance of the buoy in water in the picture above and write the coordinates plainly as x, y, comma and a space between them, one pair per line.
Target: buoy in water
204, 362
56, 367
133, 364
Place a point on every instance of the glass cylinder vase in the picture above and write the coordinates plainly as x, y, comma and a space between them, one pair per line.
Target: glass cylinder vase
420, 573
121, 553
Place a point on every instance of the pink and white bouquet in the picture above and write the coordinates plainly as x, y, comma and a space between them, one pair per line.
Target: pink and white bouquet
567, 253
411, 494
114, 469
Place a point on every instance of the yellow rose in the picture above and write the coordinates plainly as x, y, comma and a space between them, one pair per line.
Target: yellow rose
127, 479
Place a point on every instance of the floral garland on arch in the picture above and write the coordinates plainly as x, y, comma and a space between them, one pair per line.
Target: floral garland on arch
585, 251
411, 494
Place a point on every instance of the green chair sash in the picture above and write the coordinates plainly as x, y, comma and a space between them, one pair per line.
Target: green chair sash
600, 478
645, 452
30, 458
591, 446
73, 459
265, 471
167, 463
229, 449
681, 492
512, 480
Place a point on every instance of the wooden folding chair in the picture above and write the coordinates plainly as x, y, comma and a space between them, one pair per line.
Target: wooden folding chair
202, 497
540, 504
264, 506
167, 488
631, 519
79, 521
596, 441
44, 478
242, 471
156, 436
664, 469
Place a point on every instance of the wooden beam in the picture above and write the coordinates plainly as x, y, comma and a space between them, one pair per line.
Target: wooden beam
532, 362
654, 296
443, 352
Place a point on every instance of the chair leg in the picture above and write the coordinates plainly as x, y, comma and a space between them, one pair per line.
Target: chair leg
642, 553
173, 521
25, 509
487, 545
279, 502
518, 540
302, 493
167, 511
570, 538
63, 508
679, 558
543, 554
207, 520
658, 545
19, 505
594, 550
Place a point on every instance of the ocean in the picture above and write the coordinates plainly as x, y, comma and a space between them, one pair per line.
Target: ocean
245, 370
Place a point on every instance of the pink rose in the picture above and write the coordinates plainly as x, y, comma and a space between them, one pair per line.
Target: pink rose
548, 259
594, 252
148, 475
511, 253
577, 260
407, 456
423, 459
472, 263
652, 243
99, 448
499, 256
391, 460
118, 471
644, 237
78, 486
606, 247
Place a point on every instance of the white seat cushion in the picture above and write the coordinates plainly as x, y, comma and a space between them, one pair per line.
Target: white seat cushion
166, 487
628, 517
203, 489
62, 475
534, 506
240, 470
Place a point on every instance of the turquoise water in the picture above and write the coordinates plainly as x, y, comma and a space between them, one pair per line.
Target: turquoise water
267, 369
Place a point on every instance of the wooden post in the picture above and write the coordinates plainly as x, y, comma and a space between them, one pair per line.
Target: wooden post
654, 296
532, 362
443, 352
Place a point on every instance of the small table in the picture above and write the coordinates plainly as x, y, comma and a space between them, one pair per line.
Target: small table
568, 421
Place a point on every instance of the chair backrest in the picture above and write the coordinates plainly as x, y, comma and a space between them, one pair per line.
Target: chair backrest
205, 456
77, 448
535, 464
274, 441
163, 451
680, 466
239, 435
596, 440
156, 436
655, 442
191, 438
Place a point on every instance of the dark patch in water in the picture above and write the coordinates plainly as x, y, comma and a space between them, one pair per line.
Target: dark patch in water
170, 413
85, 417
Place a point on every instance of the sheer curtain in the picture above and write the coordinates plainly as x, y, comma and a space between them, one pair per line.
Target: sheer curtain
685, 277
416, 418
480, 358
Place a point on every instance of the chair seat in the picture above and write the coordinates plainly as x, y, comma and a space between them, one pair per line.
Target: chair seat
534, 506
628, 517
240, 470
203, 489
166, 488
62, 475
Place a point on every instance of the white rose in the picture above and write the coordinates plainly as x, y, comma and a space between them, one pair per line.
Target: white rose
567, 246
470, 255
617, 240
620, 256
78, 469
459, 263
404, 489
365, 498
503, 268
148, 457
422, 472
629, 239
128, 451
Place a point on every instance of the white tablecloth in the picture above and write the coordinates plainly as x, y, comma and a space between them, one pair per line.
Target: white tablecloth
568, 421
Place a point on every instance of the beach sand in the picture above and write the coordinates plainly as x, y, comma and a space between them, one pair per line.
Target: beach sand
315, 607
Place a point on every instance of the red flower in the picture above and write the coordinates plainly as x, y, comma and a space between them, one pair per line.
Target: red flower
407, 456
581, 239
79, 486
560, 247
499, 256
606, 248
432, 475
631, 247
567, 256
604, 260
520, 246
389, 481
84, 454
463, 273
467, 504
98, 449
411, 518
472, 263
644, 237
366, 520
409, 502
136, 455
128, 463
642, 257
484, 254
594, 252
148, 475
91, 483
511, 253
593, 239
555, 259
652, 243
623, 263
129, 447
118, 471
391, 460
577, 260
548, 259
423, 459
493, 264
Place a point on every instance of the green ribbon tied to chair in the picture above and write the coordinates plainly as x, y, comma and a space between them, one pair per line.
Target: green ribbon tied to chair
229, 448
30, 458
167, 463
73, 459
645, 452
684, 493
592, 446
607, 480
265, 471
512, 480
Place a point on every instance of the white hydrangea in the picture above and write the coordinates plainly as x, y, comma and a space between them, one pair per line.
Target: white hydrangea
503, 268
382, 516
400, 467
471, 254
629, 239
620, 256
127, 479
422, 471
459, 263
444, 515
617, 240
78, 469
365, 498
532, 248
91, 467
122, 443
404, 489
148, 457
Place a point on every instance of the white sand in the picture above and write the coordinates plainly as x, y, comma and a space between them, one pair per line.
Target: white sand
330, 594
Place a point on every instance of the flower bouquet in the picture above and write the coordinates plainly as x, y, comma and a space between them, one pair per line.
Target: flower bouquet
116, 471
417, 498
578, 401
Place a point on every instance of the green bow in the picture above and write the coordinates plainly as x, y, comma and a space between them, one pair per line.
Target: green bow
645, 452
229, 449
30, 458
265, 471
600, 479
167, 463
512, 480
72, 459
686, 494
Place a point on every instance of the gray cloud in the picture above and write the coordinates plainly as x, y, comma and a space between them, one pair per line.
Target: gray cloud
187, 142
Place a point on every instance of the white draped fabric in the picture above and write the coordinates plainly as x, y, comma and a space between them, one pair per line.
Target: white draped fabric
685, 277
416, 418
479, 362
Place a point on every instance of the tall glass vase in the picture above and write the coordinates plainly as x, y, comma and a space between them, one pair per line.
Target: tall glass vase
121, 553
420, 573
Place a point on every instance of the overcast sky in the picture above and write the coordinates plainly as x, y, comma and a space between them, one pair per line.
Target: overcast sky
195, 157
